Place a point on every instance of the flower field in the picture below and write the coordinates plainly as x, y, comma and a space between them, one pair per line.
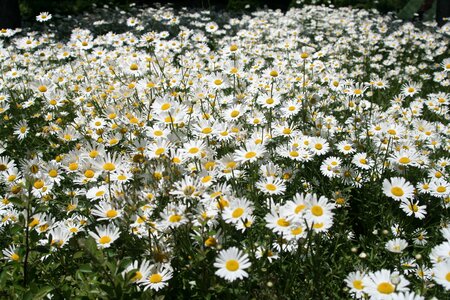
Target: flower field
185, 154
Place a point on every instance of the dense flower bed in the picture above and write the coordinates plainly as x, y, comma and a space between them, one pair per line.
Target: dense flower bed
298, 155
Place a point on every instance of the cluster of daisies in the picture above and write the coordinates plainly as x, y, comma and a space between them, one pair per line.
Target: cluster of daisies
265, 123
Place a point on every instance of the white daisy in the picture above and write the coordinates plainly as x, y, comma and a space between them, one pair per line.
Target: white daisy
231, 264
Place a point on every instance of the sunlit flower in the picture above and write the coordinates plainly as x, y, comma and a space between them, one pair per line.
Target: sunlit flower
231, 264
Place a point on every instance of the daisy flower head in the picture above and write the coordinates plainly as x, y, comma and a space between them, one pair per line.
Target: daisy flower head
231, 264
249, 153
439, 188
362, 161
157, 277
319, 209
271, 186
354, 281
106, 211
105, 235
396, 245
412, 208
237, 211
441, 273
43, 17
383, 284
319, 146
398, 188
11, 253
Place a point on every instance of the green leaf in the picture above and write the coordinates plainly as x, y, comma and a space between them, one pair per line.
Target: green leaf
78, 254
407, 12
85, 268
42, 292
16, 201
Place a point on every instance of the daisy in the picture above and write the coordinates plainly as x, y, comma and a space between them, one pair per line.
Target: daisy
21, 130
383, 284
11, 253
412, 208
238, 209
362, 161
106, 211
95, 193
231, 264
319, 146
354, 281
262, 252
249, 153
318, 209
43, 17
441, 273
396, 245
157, 277
410, 89
330, 167
173, 217
277, 221
398, 188
271, 186
142, 270
105, 235
345, 147
194, 148
439, 188
296, 208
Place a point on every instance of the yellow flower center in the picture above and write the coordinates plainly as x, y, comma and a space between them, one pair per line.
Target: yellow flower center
42, 88
397, 191
155, 278
15, 257
237, 212
441, 189
38, 184
250, 154
134, 67
210, 242
73, 166
357, 284
109, 167
159, 151
318, 146
137, 276
404, 160
53, 173
174, 218
112, 213
297, 231
89, 173
273, 73
104, 240
317, 210
218, 82
271, 187
385, 288
234, 113
283, 222
232, 265
447, 277
193, 150
294, 154
299, 208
